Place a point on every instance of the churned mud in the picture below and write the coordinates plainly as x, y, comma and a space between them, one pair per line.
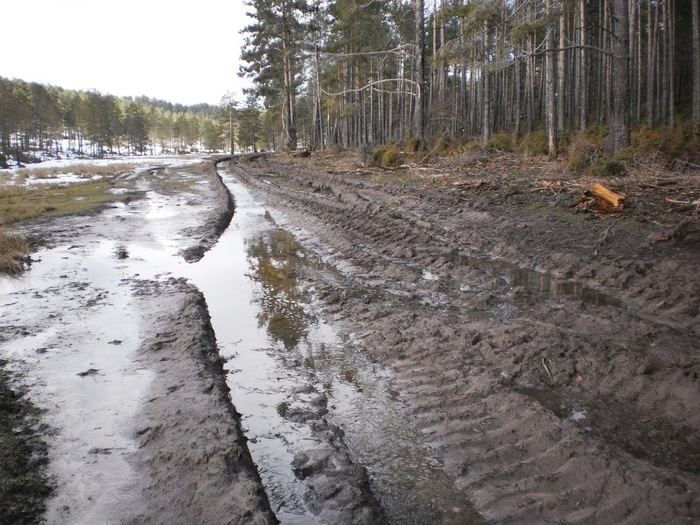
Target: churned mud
221, 202
549, 360
119, 352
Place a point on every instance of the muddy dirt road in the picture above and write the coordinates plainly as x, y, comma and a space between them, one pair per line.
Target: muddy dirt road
394, 352
554, 377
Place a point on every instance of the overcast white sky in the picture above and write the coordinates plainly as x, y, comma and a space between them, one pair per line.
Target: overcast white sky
180, 50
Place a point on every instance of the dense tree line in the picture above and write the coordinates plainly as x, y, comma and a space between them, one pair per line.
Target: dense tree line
352, 72
48, 119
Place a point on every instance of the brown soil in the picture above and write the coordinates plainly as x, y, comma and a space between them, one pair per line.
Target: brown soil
549, 357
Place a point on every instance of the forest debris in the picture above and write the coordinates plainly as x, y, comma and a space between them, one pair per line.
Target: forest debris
547, 185
617, 200
302, 154
601, 200
472, 184
687, 203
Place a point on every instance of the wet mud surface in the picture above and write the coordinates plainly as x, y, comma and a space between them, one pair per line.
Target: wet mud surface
554, 378
80, 330
126, 364
395, 353
23, 482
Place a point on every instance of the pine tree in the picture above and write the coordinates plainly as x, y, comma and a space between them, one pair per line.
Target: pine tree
273, 50
136, 127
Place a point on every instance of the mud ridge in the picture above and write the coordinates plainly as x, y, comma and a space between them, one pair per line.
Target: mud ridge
222, 207
545, 407
190, 442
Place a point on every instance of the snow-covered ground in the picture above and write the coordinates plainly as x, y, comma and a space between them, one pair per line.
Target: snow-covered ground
73, 171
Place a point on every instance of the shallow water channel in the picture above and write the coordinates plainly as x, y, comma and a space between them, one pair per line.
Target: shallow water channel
258, 283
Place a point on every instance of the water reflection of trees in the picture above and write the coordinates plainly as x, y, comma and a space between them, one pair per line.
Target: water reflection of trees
275, 261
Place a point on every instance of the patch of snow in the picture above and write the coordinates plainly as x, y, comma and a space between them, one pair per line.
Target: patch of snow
578, 414
429, 276
61, 179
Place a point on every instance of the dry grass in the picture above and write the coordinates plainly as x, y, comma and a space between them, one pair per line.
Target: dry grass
19, 203
389, 156
82, 170
13, 248
500, 143
584, 151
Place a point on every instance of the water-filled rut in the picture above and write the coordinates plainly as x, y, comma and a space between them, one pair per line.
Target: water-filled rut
287, 368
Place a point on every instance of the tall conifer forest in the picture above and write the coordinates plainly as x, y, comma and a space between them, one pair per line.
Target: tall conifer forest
354, 72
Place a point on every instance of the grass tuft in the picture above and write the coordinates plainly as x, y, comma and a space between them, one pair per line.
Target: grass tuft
81, 170
388, 156
606, 167
13, 249
583, 152
19, 203
536, 143
499, 143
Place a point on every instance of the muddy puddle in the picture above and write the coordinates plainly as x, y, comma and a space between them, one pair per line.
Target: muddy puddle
78, 360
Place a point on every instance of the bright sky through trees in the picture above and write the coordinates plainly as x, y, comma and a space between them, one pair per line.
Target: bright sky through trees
181, 51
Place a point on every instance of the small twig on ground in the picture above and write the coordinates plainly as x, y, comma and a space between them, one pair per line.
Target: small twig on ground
676, 201
686, 163
546, 368
604, 238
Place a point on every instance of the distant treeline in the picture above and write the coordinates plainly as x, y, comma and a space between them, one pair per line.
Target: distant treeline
347, 72
48, 119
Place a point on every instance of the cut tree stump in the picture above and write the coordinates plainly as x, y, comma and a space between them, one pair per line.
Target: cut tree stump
609, 196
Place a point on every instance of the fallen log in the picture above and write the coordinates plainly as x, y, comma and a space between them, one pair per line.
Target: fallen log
609, 196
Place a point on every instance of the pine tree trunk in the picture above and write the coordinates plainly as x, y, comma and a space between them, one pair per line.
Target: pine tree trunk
486, 105
486, 92
696, 64
419, 127
619, 118
516, 110
561, 65
670, 10
584, 85
550, 99
650, 66
638, 30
